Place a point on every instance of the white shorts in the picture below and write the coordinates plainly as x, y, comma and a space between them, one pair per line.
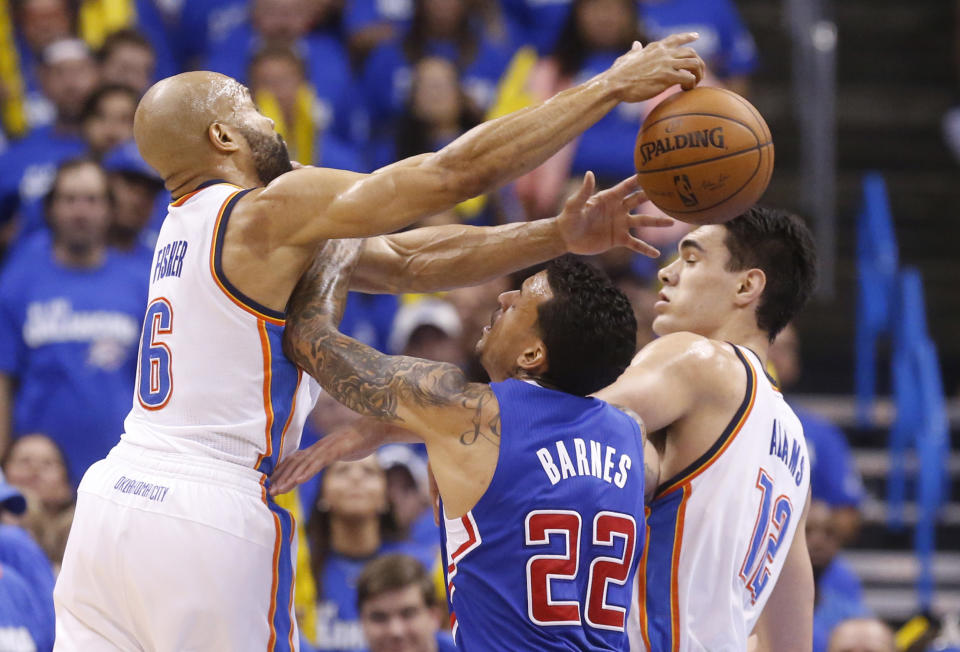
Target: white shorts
172, 552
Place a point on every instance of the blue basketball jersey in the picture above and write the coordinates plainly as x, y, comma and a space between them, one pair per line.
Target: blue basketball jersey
546, 558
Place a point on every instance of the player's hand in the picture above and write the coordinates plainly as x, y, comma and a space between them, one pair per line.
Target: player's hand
647, 71
593, 223
303, 464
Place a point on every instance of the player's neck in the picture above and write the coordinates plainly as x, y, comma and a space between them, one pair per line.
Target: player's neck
750, 337
187, 182
355, 537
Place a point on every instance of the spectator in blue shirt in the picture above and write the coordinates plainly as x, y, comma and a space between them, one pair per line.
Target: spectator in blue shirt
39, 23
36, 465
26, 580
834, 477
451, 29
595, 34
68, 76
725, 44
538, 22
350, 524
70, 317
839, 595
286, 24
198, 27
283, 94
399, 608
127, 58
139, 203
107, 118
20, 626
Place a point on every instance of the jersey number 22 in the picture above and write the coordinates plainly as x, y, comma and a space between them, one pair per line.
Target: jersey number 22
542, 569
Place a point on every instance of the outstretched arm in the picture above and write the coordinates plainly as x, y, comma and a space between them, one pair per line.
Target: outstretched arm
444, 257
432, 400
313, 204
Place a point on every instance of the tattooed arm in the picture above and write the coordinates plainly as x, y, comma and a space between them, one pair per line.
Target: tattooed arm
432, 400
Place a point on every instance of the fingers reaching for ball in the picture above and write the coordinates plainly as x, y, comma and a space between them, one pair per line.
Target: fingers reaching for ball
645, 72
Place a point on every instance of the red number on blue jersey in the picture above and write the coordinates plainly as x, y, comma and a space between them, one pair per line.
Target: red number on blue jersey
542, 569
607, 527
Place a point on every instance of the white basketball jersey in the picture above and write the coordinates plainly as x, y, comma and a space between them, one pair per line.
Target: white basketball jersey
212, 379
719, 531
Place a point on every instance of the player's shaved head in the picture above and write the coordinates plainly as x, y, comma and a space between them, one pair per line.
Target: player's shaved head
173, 117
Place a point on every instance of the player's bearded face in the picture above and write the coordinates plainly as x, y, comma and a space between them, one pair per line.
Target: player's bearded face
270, 156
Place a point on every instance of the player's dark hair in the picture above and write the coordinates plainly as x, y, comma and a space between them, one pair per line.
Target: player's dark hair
782, 246
393, 573
92, 106
571, 49
276, 52
588, 327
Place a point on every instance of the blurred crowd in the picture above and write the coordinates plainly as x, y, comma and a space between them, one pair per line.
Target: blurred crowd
352, 84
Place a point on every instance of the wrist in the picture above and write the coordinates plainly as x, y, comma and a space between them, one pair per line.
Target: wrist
550, 232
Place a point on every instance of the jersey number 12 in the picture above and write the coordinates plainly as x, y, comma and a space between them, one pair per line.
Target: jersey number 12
773, 519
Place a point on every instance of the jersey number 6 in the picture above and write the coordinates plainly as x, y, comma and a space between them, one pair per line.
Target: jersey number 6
155, 369
542, 609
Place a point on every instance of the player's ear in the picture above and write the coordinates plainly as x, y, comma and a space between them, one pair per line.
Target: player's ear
222, 138
750, 286
533, 359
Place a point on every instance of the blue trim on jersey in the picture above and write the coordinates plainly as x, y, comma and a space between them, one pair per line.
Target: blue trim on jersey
282, 623
724, 436
284, 381
659, 570
561, 457
205, 184
218, 262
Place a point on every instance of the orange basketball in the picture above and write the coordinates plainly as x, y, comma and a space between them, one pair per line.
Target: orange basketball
704, 156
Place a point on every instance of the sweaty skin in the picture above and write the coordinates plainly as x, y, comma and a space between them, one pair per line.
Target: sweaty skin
199, 126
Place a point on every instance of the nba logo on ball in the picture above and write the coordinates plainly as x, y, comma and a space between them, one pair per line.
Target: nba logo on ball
704, 156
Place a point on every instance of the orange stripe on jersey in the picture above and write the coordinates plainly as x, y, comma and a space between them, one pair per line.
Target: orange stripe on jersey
216, 278
675, 572
293, 408
642, 588
275, 583
182, 200
267, 399
746, 407
293, 615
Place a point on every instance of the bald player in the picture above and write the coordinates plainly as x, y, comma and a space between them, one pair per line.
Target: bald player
176, 543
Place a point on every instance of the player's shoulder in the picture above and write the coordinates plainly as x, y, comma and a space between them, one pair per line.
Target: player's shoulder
689, 350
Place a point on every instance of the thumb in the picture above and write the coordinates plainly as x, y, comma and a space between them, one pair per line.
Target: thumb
586, 189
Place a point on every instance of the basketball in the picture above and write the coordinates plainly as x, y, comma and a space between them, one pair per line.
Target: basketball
704, 156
